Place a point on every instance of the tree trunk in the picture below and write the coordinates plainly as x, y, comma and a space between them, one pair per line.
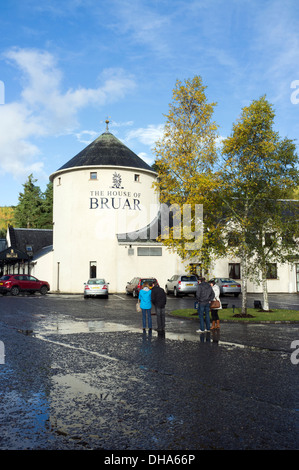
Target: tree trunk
265, 289
244, 284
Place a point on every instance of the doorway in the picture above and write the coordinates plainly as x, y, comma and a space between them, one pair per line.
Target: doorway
93, 269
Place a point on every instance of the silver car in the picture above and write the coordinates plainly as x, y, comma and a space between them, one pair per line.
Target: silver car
95, 287
227, 285
181, 284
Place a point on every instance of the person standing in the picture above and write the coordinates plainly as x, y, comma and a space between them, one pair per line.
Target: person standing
159, 301
214, 311
146, 306
204, 295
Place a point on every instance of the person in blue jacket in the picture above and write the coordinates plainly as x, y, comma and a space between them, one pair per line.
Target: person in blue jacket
146, 306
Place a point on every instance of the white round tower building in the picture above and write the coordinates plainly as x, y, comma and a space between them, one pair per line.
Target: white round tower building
104, 191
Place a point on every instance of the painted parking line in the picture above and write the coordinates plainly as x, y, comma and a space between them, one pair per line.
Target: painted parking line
118, 296
123, 297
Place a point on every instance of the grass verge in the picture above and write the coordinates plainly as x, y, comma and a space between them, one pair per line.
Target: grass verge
255, 315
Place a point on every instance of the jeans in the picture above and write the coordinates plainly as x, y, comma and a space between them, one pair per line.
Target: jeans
160, 312
204, 309
146, 313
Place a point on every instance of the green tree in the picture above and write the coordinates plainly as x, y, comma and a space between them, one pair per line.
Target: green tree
185, 159
259, 168
295, 194
27, 211
35, 208
46, 213
275, 242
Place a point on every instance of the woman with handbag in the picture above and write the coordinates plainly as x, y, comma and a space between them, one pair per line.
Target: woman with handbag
215, 306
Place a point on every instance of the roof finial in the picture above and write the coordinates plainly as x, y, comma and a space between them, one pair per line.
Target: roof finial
107, 122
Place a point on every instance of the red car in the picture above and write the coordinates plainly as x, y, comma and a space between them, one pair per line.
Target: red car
15, 283
133, 287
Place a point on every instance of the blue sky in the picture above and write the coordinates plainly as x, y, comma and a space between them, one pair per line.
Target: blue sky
65, 65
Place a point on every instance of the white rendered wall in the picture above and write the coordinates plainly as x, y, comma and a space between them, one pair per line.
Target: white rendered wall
87, 216
87, 219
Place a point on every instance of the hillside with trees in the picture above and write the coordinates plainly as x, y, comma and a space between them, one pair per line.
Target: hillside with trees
34, 210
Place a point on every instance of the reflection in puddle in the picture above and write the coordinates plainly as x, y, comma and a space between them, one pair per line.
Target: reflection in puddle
77, 386
96, 326
68, 327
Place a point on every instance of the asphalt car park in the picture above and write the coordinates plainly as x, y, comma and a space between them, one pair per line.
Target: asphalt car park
82, 374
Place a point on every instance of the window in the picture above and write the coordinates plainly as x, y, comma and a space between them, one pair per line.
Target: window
93, 175
271, 271
234, 270
196, 268
269, 239
189, 278
149, 251
92, 269
137, 178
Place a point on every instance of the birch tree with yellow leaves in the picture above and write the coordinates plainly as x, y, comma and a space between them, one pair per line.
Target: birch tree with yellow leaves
185, 161
258, 172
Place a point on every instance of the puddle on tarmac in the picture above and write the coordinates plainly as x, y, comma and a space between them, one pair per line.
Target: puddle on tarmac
78, 385
69, 327
73, 327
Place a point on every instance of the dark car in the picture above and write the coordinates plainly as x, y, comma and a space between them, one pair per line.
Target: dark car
133, 287
15, 283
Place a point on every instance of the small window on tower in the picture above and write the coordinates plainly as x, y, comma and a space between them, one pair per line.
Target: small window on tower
137, 178
93, 175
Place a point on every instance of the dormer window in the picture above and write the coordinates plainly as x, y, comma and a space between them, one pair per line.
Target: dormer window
29, 250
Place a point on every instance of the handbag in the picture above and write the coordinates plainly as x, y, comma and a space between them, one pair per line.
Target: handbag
214, 304
138, 309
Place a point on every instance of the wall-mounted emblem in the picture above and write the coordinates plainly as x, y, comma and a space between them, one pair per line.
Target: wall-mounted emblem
12, 254
116, 180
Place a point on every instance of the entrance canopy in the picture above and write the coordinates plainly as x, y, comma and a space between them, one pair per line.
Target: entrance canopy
11, 257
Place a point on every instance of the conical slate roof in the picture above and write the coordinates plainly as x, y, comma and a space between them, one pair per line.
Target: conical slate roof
107, 150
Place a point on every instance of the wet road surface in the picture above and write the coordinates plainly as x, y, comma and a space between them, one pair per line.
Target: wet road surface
81, 374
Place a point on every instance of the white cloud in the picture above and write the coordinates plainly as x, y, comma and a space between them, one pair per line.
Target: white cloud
149, 159
44, 109
86, 137
148, 135
144, 23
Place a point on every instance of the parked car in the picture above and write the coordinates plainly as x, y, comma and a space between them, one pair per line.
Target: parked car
182, 284
227, 285
133, 287
15, 283
95, 287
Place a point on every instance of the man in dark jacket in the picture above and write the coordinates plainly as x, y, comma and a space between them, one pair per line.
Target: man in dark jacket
204, 295
158, 299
